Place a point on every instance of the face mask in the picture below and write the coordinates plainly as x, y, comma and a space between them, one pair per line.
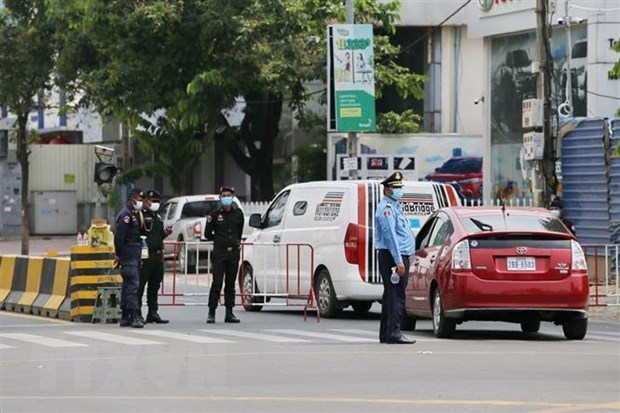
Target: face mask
154, 206
227, 200
556, 213
138, 205
397, 193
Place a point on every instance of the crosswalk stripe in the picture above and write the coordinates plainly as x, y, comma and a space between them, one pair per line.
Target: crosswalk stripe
44, 341
355, 331
184, 337
113, 338
3, 346
258, 336
337, 337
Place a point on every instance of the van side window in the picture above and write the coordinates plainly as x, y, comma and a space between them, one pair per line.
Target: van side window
300, 208
274, 214
172, 210
424, 236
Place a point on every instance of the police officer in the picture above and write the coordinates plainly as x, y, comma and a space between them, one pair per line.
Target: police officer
557, 208
224, 227
128, 249
152, 272
395, 243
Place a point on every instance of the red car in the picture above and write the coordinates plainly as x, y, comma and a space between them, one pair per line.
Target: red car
466, 171
519, 265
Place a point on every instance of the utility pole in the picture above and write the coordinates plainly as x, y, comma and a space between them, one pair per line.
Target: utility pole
546, 167
352, 136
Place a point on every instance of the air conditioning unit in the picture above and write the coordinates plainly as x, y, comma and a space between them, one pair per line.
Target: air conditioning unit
532, 113
533, 146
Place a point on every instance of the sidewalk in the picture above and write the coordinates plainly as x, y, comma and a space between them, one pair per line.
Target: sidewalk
39, 245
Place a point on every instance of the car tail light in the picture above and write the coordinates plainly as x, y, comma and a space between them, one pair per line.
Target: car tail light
579, 258
351, 240
461, 259
197, 229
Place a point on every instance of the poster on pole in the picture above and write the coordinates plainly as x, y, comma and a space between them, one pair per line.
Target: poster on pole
352, 78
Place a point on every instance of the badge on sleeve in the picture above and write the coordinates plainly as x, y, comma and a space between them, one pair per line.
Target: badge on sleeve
126, 219
387, 213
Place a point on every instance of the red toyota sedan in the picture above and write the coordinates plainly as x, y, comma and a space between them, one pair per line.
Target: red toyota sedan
519, 265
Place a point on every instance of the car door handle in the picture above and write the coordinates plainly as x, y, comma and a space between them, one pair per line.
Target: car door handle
276, 238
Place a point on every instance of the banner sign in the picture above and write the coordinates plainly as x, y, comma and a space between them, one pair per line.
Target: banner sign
352, 83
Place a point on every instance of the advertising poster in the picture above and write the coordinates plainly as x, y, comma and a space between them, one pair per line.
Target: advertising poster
513, 81
352, 60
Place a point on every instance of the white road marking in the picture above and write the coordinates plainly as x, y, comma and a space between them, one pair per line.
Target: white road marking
258, 336
3, 346
183, 337
356, 331
44, 341
337, 337
113, 338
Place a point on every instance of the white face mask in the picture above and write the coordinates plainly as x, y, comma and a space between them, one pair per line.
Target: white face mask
556, 213
154, 206
139, 205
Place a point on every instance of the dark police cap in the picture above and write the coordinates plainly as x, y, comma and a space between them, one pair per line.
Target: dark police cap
395, 180
153, 194
227, 188
136, 192
556, 203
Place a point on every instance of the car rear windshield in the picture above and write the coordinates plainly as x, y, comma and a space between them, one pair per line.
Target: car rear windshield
512, 222
461, 166
198, 208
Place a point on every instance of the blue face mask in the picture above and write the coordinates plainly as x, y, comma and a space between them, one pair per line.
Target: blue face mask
556, 213
397, 193
226, 201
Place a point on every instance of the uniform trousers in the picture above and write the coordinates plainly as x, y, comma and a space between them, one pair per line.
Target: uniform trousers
131, 282
393, 304
151, 273
225, 266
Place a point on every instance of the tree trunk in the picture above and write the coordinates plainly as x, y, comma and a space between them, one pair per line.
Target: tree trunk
22, 156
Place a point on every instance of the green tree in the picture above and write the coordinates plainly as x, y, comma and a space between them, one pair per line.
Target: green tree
27, 50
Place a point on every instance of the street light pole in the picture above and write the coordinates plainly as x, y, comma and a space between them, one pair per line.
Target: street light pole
352, 136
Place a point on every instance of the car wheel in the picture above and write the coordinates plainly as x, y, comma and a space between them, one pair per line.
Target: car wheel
530, 326
361, 307
575, 329
248, 284
443, 327
407, 322
326, 300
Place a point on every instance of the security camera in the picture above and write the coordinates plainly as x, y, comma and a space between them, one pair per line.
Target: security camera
480, 99
104, 151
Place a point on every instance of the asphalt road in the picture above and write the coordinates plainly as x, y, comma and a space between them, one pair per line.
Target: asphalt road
274, 361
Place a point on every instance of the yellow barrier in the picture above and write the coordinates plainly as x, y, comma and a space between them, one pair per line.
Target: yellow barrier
54, 282
23, 277
7, 269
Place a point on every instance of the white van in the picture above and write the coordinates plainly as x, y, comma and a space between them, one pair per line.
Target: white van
335, 220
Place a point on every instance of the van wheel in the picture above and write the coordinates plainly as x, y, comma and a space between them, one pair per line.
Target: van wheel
530, 326
184, 256
361, 307
245, 284
407, 322
327, 302
575, 329
443, 327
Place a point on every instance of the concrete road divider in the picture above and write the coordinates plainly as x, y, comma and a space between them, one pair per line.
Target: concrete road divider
54, 283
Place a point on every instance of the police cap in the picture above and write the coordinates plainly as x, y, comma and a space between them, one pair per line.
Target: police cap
557, 203
228, 188
394, 180
136, 193
153, 194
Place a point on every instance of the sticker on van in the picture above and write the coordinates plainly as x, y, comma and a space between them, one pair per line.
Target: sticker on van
417, 204
329, 208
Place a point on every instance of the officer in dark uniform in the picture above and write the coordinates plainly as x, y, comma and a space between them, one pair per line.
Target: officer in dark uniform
128, 248
557, 208
224, 227
395, 244
152, 272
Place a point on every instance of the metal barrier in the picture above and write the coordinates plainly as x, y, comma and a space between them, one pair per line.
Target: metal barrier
603, 273
290, 267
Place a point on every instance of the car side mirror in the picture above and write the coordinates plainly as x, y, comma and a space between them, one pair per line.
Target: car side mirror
255, 221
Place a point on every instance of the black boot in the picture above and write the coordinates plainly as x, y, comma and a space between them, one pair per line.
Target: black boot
135, 321
230, 317
153, 317
211, 316
125, 321
139, 314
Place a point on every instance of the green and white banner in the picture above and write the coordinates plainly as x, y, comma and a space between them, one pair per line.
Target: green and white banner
352, 67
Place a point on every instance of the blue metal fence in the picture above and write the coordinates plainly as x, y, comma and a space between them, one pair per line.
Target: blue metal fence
614, 184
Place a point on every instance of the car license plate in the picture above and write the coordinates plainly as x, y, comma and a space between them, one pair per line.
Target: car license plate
521, 264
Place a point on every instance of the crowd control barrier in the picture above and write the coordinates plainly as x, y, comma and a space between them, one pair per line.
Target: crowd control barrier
603, 273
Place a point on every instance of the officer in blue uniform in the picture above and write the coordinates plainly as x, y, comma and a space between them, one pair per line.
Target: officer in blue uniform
395, 244
128, 250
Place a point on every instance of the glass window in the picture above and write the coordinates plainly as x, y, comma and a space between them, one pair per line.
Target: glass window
300, 208
424, 236
172, 210
512, 222
275, 213
462, 165
198, 209
443, 230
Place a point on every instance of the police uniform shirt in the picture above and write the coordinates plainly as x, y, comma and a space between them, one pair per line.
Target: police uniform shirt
153, 229
392, 230
225, 228
127, 235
